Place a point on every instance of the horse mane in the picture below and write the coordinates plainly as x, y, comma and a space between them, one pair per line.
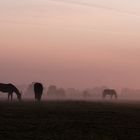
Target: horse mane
15, 89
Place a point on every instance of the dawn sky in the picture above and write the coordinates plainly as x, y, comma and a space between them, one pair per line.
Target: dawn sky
70, 43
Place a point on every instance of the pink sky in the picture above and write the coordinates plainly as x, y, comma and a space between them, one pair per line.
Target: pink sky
70, 43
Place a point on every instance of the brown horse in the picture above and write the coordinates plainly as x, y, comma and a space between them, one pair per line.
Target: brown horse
38, 89
110, 92
10, 89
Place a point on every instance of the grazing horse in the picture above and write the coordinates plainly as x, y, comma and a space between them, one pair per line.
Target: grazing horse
10, 88
110, 92
38, 89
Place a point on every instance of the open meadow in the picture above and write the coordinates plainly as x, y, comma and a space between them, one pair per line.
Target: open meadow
69, 120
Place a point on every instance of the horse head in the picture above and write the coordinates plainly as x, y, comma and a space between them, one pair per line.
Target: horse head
19, 95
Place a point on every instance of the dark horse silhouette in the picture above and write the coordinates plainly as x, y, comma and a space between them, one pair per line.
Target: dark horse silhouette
10, 88
38, 89
110, 92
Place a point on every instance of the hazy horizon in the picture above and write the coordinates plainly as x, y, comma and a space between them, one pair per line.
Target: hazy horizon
70, 43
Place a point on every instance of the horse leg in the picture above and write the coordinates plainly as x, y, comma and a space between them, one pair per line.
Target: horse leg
35, 96
40, 96
115, 96
11, 96
8, 96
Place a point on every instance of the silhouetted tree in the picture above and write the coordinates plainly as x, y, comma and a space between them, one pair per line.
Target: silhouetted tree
130, 93
30, 90
73, 93
52, 91
86, 94
60, 93
55, 93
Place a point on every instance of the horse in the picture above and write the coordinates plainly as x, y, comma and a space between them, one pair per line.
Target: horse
38, 90
110, 92
10, 88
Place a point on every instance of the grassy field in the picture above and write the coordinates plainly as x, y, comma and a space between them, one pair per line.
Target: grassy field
69, 120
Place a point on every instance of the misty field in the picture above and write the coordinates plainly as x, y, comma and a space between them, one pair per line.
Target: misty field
69, 120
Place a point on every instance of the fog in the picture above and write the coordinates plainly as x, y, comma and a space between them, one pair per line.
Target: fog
78, 44
53, 92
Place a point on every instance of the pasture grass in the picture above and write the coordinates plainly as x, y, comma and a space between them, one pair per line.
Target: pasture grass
69, 120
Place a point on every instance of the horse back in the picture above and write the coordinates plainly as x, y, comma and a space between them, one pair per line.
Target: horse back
6, 87
38, 87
